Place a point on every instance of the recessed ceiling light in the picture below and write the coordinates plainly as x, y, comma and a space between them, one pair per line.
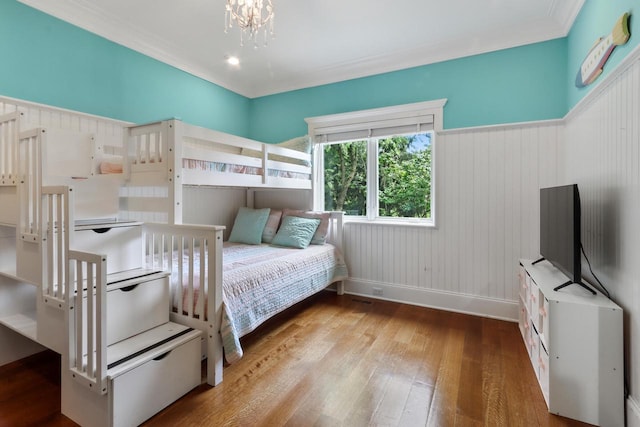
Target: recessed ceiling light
233, 60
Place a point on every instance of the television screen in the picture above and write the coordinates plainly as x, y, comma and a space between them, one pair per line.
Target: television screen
560, 229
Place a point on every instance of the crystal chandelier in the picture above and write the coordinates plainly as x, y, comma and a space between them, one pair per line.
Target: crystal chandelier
251, 16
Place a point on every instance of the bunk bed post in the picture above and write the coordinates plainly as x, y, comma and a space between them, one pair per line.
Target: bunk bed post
173, 132
251, 198
265, 158
90, 269
214, 315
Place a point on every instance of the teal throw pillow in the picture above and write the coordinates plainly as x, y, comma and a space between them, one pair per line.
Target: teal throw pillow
295, 232
249, 225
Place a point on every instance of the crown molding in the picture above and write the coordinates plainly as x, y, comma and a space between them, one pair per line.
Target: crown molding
88, 16
409, 58
565, 13
93, 19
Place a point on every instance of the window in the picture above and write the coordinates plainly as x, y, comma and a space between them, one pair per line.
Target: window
378, 164
398, 184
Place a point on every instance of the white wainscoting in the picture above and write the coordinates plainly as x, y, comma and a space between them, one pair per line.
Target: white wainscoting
602, 154
39, 115
487, 200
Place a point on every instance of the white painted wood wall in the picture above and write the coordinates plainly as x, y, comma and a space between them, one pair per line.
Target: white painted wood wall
487, 200
602, 154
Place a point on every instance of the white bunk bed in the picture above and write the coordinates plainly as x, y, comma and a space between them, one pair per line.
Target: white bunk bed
80, 237
163, 159
167, 160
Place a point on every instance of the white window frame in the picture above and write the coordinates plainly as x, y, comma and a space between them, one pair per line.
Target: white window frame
394, 120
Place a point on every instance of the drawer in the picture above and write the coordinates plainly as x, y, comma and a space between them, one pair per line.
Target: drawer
140, 393
137, 307
121, 245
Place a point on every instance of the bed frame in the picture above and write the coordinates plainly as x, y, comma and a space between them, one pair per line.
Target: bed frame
65, 234
157, 182
157, 156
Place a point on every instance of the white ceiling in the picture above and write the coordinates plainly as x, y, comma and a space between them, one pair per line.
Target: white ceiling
316, 42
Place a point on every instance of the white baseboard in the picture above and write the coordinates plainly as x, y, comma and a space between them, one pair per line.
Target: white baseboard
633, 412
449, 301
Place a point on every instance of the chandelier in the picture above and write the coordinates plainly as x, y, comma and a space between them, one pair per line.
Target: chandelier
252, 17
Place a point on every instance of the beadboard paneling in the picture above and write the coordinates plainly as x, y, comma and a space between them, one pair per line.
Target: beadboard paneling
488, 182
38, 115
601, 153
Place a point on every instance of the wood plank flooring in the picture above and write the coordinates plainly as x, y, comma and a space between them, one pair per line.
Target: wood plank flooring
338, 361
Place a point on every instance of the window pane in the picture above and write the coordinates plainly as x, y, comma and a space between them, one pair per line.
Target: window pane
345, 177
404, 176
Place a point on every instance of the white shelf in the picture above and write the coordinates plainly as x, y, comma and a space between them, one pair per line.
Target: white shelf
575, 343
23, 323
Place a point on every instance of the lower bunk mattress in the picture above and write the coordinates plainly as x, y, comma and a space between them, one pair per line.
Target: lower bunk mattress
260, 281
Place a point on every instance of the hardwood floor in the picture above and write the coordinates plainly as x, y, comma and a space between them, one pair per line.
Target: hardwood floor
338, 360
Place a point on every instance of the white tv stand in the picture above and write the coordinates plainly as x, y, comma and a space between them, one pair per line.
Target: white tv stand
575, 342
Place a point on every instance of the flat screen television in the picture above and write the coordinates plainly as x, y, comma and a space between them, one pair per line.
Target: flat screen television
560, 229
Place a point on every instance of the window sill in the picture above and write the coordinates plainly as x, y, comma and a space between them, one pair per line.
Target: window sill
394, 222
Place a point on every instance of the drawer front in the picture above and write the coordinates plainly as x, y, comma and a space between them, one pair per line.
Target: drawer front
122, 245
137, 308
139, 394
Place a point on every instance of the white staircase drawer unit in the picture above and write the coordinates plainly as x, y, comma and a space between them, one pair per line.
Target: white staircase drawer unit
121, 244
142, 392
136, 305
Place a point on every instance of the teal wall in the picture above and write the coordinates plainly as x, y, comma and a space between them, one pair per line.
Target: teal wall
595, 20
48, 61
513, 85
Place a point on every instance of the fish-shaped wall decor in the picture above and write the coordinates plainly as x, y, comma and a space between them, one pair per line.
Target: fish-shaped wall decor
592, 65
